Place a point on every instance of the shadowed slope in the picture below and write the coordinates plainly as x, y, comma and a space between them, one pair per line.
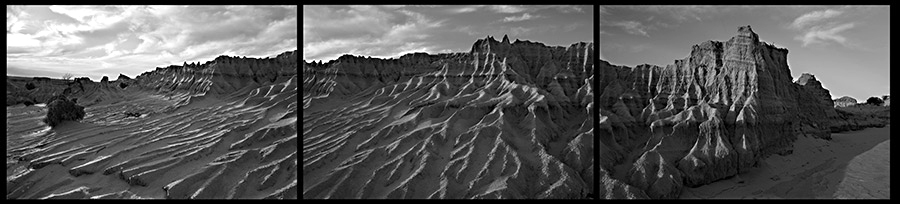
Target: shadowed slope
507, 120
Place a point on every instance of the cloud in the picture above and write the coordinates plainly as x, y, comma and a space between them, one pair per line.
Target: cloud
98, 40
571, 27
468, 30
524, 16
821, 27
814, 16
820, 34
567, 9
96, 16
570, 8
12, 19
465, 9
633, 27
520, 31
24, 41
508, 9
603, 10
330, 32
639, 48
683, 13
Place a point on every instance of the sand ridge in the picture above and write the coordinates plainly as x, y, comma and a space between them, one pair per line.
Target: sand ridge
196, 141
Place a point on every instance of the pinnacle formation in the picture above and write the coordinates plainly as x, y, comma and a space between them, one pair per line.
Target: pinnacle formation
707, 117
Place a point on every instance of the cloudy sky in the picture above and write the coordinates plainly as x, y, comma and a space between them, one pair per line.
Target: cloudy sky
94, 41
391, 31
845, 47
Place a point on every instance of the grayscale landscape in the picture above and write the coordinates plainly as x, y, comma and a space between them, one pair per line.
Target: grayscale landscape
154, 102
732, 118
670, 102
502, 118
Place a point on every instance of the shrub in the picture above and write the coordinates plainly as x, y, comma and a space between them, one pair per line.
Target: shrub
62, 109
29, 86
875, 101
67, 76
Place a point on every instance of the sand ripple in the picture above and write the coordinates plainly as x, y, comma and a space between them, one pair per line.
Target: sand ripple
237, 145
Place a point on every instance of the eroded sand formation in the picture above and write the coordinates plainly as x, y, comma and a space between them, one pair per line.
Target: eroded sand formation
506, 120
222, 129
707, 117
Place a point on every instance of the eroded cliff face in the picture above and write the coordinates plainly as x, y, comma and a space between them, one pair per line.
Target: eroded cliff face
32, 89
506, 120
706, 117
223, 75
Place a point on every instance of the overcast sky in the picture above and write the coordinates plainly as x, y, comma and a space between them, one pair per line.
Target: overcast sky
391, 31
845, 47
95, 41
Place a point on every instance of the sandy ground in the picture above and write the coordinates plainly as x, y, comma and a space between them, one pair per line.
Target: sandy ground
231, 146
852, 165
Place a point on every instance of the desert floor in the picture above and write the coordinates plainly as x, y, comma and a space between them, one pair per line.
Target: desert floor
235, 146
852, 165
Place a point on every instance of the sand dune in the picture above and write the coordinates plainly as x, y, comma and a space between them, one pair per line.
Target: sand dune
187, 142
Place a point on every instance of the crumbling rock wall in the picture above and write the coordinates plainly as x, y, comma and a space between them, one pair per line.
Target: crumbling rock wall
34, 90
707, 117
223, 75
524, 105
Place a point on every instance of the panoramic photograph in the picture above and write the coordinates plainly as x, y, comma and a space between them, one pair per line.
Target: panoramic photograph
151, 102
448, 102
707, 102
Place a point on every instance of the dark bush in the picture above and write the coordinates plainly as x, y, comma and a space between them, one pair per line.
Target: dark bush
62, 109
29, 86
874, 101
29, 103
123, 85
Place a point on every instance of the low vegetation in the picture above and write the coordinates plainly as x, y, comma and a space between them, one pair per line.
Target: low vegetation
875, 101
62, 109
